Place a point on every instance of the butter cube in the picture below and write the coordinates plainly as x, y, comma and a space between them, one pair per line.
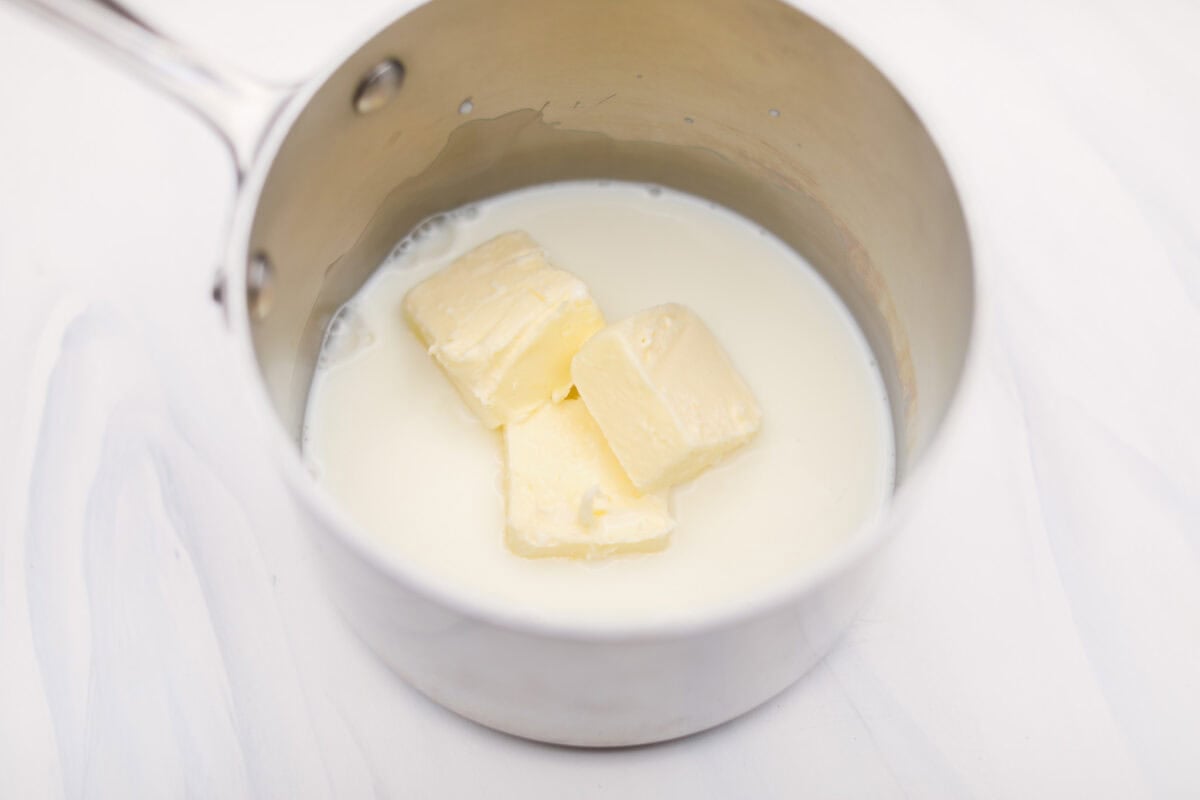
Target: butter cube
504, 325
665, 394
568, 496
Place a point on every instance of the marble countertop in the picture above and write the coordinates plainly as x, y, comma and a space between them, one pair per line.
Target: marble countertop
162, 631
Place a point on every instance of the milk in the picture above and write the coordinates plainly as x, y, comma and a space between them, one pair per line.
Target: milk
392, 443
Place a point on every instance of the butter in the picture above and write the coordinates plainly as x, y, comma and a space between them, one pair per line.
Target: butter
665, 394
566, 495
503, 324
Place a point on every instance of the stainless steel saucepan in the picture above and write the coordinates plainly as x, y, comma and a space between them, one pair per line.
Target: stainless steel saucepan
749, 103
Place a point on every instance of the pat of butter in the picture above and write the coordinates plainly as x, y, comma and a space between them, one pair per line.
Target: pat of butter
665, 394
504, 324
568, 496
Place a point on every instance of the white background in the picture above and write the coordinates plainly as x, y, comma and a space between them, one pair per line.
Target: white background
163, 631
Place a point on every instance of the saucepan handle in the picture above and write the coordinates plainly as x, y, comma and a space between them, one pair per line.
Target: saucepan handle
239, 108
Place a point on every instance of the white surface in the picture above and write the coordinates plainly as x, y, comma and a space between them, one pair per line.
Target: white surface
162, 631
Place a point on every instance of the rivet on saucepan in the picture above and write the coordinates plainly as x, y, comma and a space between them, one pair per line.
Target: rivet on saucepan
218, 289
379, 86
260, 286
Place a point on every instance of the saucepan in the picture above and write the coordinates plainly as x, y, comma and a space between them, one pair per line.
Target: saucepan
749, 103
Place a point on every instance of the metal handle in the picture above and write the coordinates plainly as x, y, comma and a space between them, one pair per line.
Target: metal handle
240, 109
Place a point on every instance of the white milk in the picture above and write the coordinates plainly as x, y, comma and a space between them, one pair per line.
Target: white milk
390, 440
